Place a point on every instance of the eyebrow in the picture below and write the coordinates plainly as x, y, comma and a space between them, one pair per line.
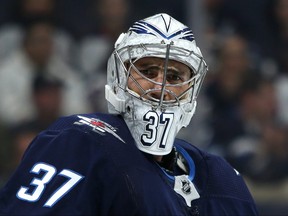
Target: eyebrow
171, 68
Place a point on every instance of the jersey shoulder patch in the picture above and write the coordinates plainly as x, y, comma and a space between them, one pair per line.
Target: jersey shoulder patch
98, 123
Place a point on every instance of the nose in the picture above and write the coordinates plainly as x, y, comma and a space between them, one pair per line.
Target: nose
157, 88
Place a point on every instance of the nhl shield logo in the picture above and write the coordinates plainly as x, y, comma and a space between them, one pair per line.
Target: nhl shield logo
186, 188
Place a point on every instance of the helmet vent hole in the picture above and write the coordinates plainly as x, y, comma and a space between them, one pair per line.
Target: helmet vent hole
128, 109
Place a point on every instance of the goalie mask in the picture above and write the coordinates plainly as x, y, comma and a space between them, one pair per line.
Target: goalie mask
154, 76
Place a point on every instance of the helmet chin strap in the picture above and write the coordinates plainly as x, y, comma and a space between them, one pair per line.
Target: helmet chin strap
117, 103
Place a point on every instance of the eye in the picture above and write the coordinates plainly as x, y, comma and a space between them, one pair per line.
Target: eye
173, 78
149, 73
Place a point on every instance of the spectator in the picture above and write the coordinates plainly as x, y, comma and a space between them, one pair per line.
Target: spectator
276, 48
275, 43
47, 98
112, 18
94, 49
251, 151
25, 13
224, 87
36, 56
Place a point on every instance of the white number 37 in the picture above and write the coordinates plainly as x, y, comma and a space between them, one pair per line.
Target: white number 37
38, 184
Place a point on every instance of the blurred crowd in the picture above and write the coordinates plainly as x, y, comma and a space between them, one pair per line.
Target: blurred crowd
53, 58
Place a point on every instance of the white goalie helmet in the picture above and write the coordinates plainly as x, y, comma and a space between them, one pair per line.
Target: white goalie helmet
153, 120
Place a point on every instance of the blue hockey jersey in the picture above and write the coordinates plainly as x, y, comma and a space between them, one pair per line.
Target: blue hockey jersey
89, 165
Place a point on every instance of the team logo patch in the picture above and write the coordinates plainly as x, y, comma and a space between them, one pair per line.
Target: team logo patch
98, 126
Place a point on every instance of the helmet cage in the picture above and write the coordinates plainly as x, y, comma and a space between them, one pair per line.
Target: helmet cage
131, 54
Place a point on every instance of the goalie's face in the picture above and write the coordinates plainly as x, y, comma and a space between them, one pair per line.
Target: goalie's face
157, 80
